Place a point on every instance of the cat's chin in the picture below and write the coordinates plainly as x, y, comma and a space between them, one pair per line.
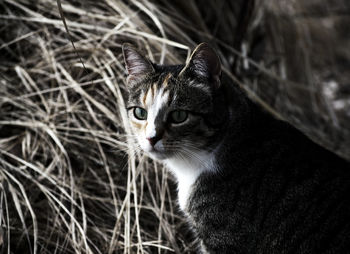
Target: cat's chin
157, 155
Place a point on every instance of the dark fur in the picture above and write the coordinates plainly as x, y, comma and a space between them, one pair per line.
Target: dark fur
274, 190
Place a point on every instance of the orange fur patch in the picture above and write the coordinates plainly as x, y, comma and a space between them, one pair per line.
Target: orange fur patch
144, 98
137, 125
154, 89
144, 126
166, 80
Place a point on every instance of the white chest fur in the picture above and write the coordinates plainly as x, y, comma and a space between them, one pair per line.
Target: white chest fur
187, 171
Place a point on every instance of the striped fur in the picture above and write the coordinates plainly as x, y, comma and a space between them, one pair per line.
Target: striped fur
247, 182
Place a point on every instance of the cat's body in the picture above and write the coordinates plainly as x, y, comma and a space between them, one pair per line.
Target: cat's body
276, 192
248, 182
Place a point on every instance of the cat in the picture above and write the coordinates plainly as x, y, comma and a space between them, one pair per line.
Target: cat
247, 182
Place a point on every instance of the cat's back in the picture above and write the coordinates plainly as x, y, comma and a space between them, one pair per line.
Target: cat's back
276, 192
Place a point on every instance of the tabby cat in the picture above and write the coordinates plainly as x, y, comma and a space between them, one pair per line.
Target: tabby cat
247, 182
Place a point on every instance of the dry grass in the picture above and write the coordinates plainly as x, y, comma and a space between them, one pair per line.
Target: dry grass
70, 179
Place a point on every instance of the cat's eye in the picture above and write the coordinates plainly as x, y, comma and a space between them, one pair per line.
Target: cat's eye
140, 113
178, 116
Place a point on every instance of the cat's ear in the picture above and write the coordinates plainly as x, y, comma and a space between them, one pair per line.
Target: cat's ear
205, 62
136, 64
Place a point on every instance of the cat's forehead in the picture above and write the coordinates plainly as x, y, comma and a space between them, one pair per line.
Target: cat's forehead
168, 90
156, 91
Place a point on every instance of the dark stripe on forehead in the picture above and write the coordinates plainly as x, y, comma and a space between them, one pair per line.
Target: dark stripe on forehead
161, 116
134, 96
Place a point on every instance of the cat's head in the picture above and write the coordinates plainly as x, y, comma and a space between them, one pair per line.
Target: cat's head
173, 109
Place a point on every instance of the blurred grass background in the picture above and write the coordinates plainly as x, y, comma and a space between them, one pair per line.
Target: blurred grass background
70, 180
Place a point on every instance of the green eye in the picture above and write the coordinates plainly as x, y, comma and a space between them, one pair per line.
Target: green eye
140, 113
178, 116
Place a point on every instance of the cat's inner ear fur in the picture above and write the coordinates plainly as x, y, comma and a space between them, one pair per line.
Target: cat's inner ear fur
136, 64
205, 63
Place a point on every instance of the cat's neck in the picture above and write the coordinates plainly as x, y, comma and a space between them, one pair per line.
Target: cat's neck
186, 171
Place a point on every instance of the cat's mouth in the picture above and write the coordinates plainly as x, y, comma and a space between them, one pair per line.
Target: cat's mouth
156, 151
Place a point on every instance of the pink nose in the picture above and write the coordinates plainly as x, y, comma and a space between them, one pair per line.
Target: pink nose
154, 140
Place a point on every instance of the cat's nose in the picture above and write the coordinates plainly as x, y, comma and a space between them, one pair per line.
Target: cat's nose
153, 140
